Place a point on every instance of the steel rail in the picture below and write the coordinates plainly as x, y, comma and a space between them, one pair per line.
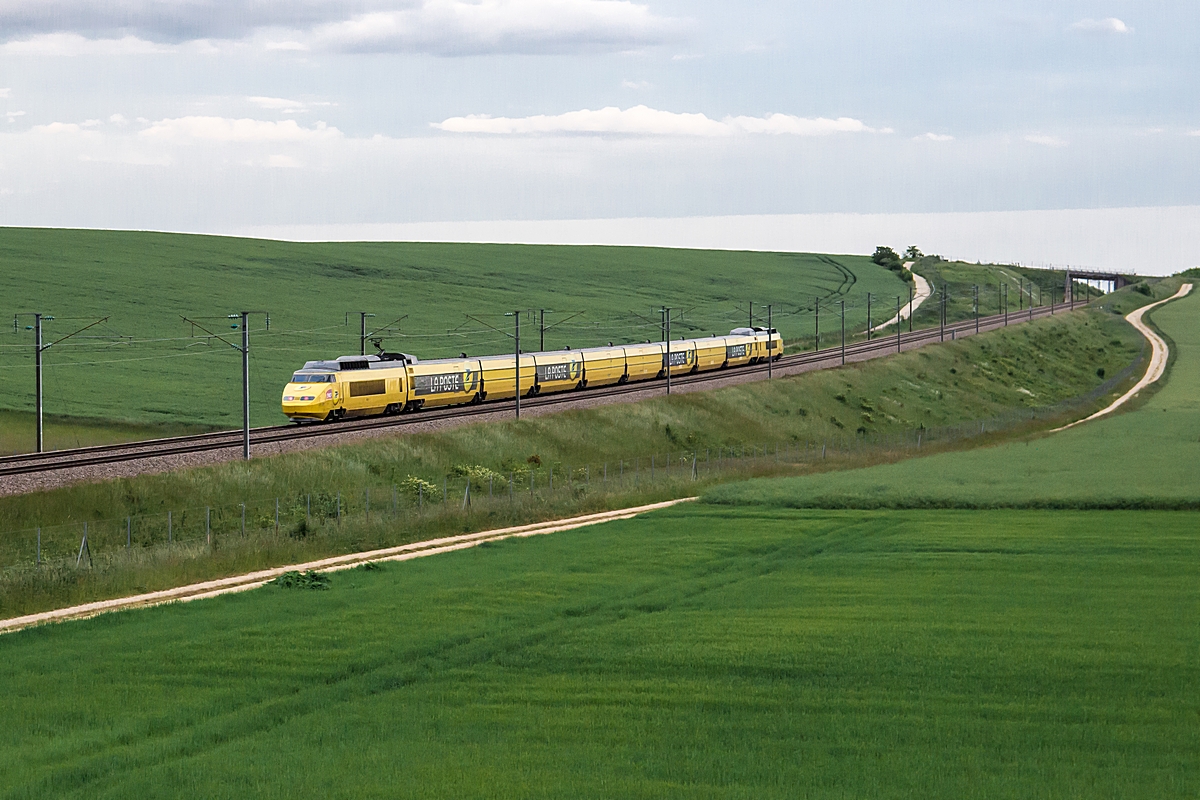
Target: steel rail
28, 463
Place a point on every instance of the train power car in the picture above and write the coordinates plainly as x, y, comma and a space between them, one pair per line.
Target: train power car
390, 383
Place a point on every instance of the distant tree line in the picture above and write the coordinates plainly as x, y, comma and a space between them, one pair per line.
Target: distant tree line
889, 258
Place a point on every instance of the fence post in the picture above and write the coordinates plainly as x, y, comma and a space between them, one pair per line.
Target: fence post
368, 504
491, 480
39, 546
339, 508
307, 510
552, 477
393, 499
207, 526
276, 516
170, 536
467, 495
243, 520
420, 496
83, 545
128, 531
694, 476
511, 495
444, 490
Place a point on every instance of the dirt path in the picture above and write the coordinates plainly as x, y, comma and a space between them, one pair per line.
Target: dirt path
253, 580
1158, 358
922, 293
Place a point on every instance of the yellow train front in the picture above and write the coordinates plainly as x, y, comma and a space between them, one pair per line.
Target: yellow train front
389, 383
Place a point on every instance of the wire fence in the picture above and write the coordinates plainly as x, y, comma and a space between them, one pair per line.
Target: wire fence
419, 504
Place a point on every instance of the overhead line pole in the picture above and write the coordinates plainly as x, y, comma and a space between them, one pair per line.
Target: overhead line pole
975, 303
246, 384
38, 349
667, 336
899, 323
244, 348
37, 324
770, 342
817, 325
868, 316
843, 332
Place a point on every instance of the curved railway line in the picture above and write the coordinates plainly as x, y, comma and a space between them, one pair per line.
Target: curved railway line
75, 458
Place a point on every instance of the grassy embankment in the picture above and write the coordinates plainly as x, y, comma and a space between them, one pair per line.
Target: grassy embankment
699, 652
1146, 459
960, 279
158, 373
974, 378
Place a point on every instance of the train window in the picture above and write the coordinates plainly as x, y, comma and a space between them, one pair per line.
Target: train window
311, 377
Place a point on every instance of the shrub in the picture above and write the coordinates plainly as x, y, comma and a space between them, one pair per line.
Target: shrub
302, 580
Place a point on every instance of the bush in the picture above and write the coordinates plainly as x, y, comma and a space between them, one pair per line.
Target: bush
413, 487
302, 580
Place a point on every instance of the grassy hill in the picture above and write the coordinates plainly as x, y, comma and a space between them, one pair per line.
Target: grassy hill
147, 366
1147, 458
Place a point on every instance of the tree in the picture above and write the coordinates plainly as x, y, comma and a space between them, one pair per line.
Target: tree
885, 257
912, 253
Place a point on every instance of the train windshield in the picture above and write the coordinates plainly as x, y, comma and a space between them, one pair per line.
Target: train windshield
311, 377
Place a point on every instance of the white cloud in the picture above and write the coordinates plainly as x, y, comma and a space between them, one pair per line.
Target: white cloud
1194, 133
935, 137
91, 123
57, 127
457, 27
636, 85
5, 92
1046, 141
278, 104
222, 129
1106, 25
72, 44
12, 114
118, 119
641, 120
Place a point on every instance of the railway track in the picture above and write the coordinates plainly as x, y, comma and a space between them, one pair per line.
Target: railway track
181, 445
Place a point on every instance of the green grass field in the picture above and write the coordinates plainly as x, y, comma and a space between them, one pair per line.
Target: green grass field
18, 431
699, 652
1050, 360
146, 367
1145, 458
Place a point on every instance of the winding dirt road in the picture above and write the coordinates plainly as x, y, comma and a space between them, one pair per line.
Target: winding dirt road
920, 295
1158, 358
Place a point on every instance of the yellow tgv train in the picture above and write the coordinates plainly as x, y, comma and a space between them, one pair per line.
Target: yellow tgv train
390, 383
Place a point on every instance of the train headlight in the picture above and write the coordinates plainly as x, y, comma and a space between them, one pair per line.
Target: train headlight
287, 397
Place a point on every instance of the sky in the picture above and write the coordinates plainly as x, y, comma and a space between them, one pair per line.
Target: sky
243, 115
